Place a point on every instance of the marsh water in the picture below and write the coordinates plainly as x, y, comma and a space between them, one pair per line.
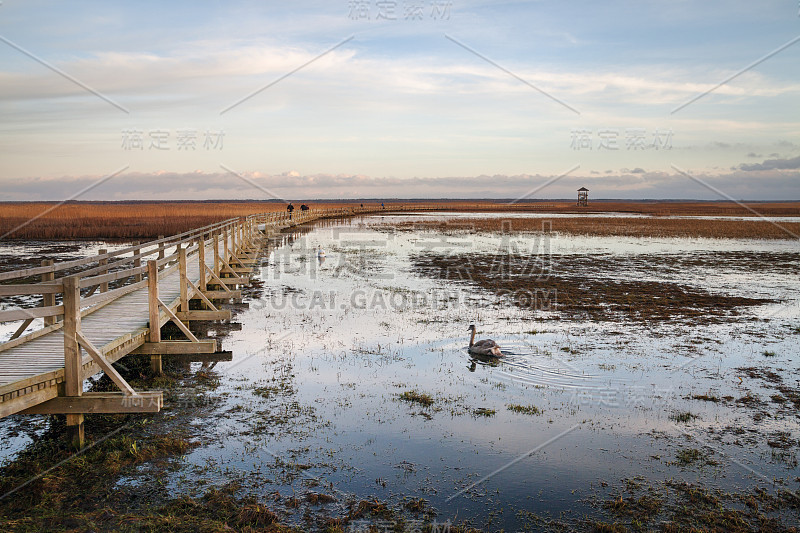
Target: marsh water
343, 324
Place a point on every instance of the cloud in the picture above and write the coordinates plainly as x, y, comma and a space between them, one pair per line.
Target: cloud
750, 185
773, 164
214, 68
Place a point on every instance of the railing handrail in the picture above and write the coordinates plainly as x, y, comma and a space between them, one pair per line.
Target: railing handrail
57, 267
106, 271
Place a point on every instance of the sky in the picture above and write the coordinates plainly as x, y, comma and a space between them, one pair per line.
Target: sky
400, 99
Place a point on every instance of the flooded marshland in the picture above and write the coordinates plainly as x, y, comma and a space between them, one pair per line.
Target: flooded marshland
639, 375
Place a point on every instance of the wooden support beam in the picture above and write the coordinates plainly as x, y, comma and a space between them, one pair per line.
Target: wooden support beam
103, 262
183, 280
215, 269
198, 292
201, 260
222, 295
225, 253
152, 300
75, 430
21, 329
100, 403
234, 245
215, 357
225, 314
73, 362
49, 299
230, 270
137, 261
73, 368
110, 371
178, 322
154, 335
217, 278
237, 280
176, 347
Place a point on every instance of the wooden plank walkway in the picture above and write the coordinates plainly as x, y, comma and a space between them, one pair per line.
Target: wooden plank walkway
43, 371
107, 328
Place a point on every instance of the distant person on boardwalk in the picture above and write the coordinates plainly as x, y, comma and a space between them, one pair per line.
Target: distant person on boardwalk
362, 206
303, 207
383, 206
290, 208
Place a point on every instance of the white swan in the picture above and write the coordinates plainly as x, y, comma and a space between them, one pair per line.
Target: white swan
483, 347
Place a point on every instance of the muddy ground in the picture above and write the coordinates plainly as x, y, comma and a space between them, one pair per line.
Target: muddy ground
578, 286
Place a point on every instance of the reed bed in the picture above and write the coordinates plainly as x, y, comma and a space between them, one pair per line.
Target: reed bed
121, 220
645, 207
756, 228
148, 220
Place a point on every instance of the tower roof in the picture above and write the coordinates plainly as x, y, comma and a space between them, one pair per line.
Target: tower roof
583, 189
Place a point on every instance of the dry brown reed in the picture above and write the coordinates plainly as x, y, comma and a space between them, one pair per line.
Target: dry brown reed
120, 220
619, 226
147, 220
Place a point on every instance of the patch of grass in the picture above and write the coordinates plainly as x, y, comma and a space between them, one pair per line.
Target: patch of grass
749, 399
603, 527
315, 499
688, 456
524, 409
777, 398
483, 411
781, 440
642, 508
416, 505
708, 397
768, 353
369, 508
279, 389
414, 396
682, 416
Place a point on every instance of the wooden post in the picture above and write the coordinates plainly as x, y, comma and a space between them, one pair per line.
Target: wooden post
225, 256
215, 268
201, 259
101, 262
152, 300
137, 261
49, 299
184, 284
160, 248
73, 367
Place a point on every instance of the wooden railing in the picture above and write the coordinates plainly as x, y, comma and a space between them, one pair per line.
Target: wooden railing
127, 269
94, 275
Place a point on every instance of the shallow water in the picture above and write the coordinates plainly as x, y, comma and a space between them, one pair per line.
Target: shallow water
456, 215
311, 401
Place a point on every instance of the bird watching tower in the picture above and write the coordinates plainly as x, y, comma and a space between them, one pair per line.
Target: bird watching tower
583, 196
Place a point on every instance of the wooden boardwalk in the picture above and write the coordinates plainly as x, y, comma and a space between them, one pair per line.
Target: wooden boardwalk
88, 325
